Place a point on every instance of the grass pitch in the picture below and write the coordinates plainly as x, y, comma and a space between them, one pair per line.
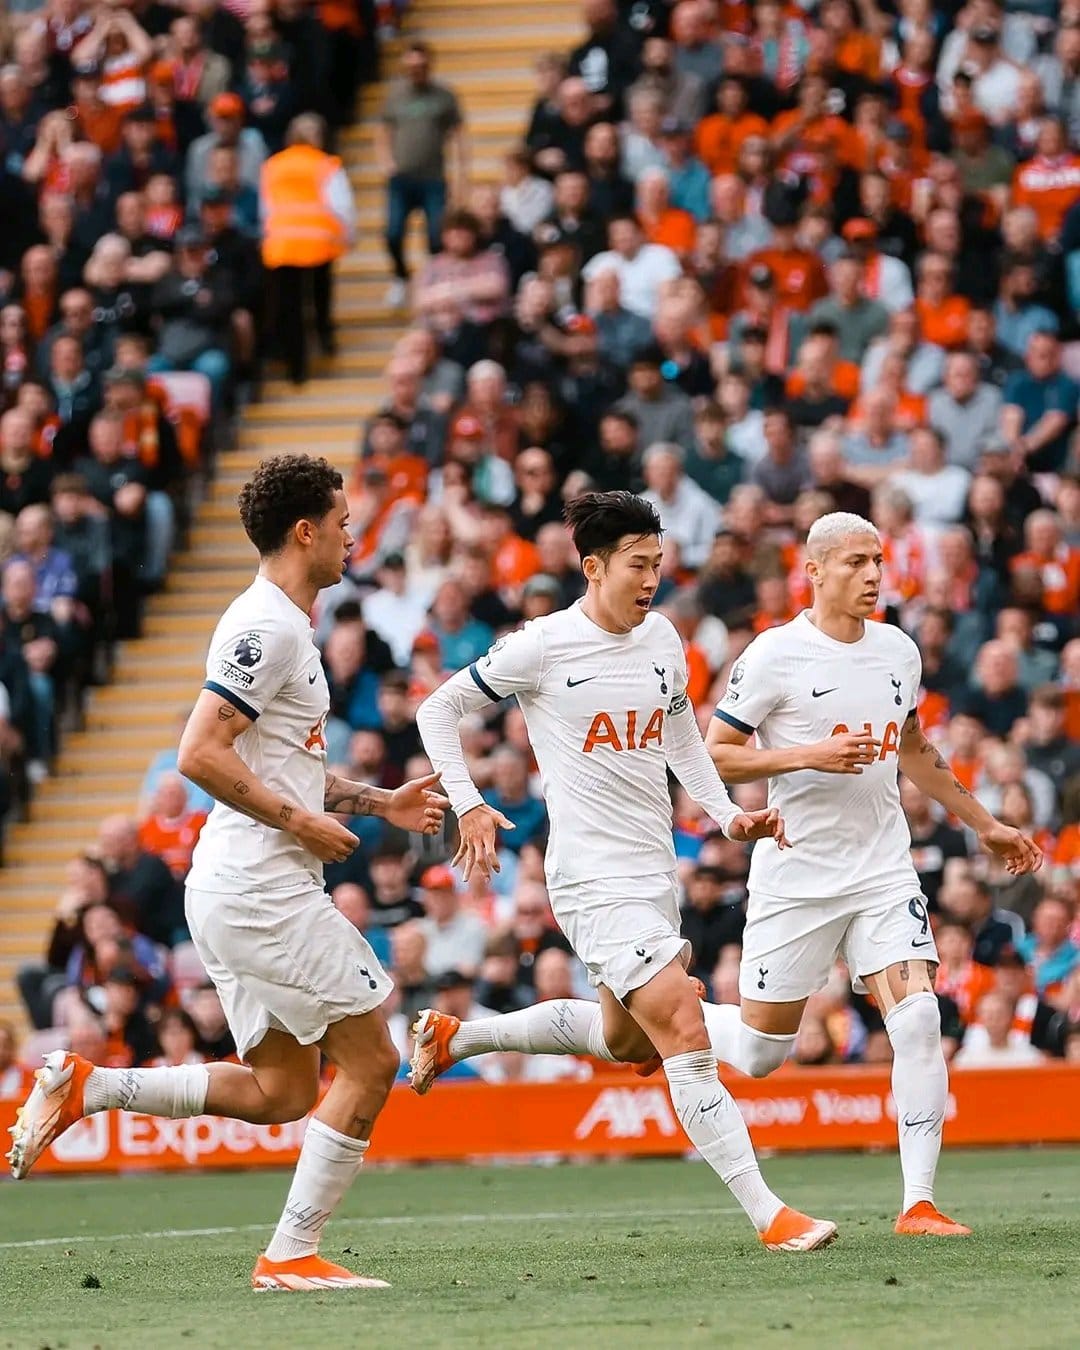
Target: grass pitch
648, 1254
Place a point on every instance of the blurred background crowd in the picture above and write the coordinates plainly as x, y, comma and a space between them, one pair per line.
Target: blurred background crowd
755, 261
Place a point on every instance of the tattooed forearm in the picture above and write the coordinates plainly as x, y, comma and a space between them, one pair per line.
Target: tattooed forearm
927, 749
353, 799
285, 814
963, 791
241, 789
226, 712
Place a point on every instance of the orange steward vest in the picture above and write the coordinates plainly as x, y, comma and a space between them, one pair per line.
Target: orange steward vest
300, 230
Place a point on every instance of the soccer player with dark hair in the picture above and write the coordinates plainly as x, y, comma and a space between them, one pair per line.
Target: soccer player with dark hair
294, 976
602, 686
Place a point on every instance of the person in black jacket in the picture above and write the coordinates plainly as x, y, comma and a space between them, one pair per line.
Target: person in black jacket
194, 303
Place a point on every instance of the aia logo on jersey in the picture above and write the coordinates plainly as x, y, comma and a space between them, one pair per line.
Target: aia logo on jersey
889, 738
248, 651
624, 734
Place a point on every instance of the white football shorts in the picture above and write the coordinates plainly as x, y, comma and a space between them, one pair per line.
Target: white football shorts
289, 961
624, 929
790, 944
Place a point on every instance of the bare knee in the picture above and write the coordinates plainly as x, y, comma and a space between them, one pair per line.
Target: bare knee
629, 1045
686, 1030
286, 1101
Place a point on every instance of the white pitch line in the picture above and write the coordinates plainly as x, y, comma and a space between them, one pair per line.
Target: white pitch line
405, 1220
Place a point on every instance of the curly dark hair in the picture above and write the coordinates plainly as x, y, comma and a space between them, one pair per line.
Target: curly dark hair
283, 490
598, 520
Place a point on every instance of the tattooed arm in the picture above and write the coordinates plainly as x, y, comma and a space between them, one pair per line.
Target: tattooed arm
208, 757
927, 768
413, 806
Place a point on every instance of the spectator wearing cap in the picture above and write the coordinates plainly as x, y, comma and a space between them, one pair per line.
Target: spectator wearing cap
688, 513
1040, 406
141, 154
965, 409
455, 937
856, 319
482, 475
309, 221
419, 122
688, 179
227, 115
660, 409
884, 279
642, 267
193, 305
266, 88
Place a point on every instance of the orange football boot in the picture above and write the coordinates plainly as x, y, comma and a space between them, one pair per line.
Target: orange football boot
650, 1066
432, 1034
791, 1231
55, 1103
924, 1219
308, 1273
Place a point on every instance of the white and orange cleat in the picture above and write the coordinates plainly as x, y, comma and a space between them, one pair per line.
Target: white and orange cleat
791, 1231
307, 1274
924, 1219
432, 1033
55, 1103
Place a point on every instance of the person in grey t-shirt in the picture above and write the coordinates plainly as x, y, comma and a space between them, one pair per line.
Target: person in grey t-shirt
419, 122
965, 410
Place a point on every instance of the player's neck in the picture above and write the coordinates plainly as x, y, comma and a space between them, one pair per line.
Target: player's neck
285, 573
839, 626
596, 612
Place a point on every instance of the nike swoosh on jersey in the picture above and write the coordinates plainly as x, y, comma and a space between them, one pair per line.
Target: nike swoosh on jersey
925, 943
573, 684
820, 693
312, 678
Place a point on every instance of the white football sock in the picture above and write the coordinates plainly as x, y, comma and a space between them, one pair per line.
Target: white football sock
325, 1170
173, 1092
708, 1114
744, 1048
562, 1026
920, 1086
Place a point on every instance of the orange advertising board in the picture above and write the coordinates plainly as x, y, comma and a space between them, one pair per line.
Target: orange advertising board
607, 1116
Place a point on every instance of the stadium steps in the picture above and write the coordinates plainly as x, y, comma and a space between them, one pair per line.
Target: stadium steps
486, 50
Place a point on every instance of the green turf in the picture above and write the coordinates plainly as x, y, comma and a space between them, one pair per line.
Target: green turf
632, 1254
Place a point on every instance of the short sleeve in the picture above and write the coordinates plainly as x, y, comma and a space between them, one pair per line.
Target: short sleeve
752, 691
511, 665
248, 662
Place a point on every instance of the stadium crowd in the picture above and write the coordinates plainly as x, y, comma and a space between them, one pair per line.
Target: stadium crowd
758, 262
132, 319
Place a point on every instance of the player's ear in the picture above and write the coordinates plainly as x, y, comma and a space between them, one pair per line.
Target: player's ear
592, 567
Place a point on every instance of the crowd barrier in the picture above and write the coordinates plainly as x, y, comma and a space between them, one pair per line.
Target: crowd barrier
607, 1116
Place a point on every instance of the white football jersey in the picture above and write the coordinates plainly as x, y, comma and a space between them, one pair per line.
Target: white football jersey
597, 706
793, 686
263, 660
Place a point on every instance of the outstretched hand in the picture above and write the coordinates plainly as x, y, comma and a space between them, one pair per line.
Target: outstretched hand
417, 806
479, 829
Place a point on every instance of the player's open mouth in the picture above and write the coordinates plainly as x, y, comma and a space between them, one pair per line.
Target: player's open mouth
644, 602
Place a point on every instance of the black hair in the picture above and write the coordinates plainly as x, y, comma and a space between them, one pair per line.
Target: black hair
598, 520
283, 490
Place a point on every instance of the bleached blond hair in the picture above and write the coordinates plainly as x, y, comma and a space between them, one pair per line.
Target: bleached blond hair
830, 531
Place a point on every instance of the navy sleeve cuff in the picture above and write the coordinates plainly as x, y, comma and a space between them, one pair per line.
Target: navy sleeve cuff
483, 686
734, 722
235, 699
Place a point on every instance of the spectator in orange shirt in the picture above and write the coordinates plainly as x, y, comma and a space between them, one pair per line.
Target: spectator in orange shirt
856, 51
809, 140
821, 348
1049, 182
513, 559
775, 605
798, 274
943, 316
661, 222
1057, 563
959, 977
170, 830
719, 136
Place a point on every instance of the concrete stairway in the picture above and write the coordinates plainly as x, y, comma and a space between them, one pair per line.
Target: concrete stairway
485, 49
